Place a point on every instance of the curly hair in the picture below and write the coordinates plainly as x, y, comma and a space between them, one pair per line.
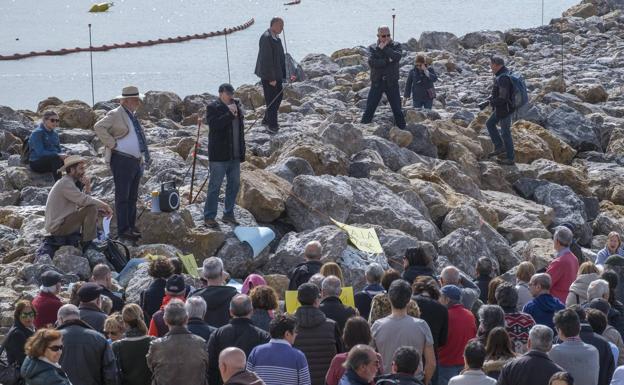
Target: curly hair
38, 342
161, 267
426, 284
388, 277
264, 297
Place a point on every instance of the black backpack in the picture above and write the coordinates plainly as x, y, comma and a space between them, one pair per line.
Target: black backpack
116, 253
25, 153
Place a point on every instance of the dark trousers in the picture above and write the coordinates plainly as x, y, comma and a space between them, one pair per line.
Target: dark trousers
426, 104
127, 174
394, 98
499, 140
50, 163
270, 93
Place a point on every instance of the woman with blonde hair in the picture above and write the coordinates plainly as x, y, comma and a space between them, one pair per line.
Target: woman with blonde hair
523, 275
332, 268
114, 327
43, 352
130, 351
612, 247
587, 273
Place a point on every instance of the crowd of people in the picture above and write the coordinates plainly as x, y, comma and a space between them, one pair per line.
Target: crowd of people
410, 328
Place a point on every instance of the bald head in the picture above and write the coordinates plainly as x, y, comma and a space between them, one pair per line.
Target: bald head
450, 276
313, 250
231, 361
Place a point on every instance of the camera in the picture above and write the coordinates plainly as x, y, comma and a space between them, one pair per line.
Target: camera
483, 104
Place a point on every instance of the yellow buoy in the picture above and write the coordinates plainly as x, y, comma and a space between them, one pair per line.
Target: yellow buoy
100, 7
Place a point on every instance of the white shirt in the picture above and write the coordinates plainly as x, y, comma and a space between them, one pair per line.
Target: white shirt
472, 377
129, 144
618, 376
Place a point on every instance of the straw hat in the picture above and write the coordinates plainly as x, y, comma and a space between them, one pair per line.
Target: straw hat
70, 161
130, 92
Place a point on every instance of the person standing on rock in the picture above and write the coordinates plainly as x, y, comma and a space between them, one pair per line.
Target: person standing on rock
419, 84
45, 147
384, 59
125, 148
271, 69
226, 151
501, 103
69, 210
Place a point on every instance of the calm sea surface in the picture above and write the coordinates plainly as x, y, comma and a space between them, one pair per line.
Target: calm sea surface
200, 66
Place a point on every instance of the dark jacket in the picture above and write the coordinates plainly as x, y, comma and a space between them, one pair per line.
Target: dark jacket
37, 372
178, 358
334, 309
319, 339
87, 357
46, 305
151, 298
261, 318
199, 327
500, 100
364, 298
302, 273
606, 359
240, 333
118, 303
397, 379
436, 316
542, 308
43, 142
384, 63
533, 368
245, 377
130, 355
15, 341
412, 272
418, 83
271, 62
93, 316
217, 303
351, 378
220, 125
483, 282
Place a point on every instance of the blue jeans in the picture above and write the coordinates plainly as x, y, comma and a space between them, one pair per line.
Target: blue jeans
394, 98
506, 140
218, 170
426, 104
447, 372
127, 272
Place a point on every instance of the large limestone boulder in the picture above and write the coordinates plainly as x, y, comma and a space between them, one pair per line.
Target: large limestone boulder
522, 227
506, 204
539, 251
594, 93
140, 281
159, 105
69, 260
574, 128
583, 10
346, 137
477, 39
317, 65
571, 176
560, 151
75, 114
262, 193
433, 40
250, 95
323, 158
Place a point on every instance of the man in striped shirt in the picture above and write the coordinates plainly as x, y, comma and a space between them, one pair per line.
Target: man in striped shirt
277, 362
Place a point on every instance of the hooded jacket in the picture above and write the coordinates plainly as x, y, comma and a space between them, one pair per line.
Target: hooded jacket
578, 290
245, 377
217, 304
319, 339
38, 372
542, 308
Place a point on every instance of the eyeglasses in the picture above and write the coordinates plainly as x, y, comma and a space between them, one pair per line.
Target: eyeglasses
29, 314
388, 35
56, 348
54, 120
111, 333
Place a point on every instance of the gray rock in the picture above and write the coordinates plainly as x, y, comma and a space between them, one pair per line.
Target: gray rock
439, 41
573, 128
290, 168
237, 257
463, 248
522, 227
477, 39
394, 157
316, 65
33, 196
364, 162
69, 260
160, 104
140, 281
345, 137
421, 143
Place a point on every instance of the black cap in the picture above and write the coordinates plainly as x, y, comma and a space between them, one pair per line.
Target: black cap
89, 292
308, 293
175, 285
600, 304
50, 278
226, 87
615, 260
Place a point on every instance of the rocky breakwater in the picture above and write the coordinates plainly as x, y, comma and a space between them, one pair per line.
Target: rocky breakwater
428, 185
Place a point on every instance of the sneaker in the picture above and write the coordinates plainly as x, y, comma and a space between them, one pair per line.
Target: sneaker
211, 223
495, 153
230, 219
506, 162
135, 231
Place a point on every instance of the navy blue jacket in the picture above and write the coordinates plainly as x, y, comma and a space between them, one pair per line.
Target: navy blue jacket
542, 308
199, 327
43, 142
418, 83
37, 372
501, 94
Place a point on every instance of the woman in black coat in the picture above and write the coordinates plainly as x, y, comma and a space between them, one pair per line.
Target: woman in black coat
23, 328
420, 84
41, 366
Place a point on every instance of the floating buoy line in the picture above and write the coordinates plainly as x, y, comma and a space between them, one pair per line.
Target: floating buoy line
147, 43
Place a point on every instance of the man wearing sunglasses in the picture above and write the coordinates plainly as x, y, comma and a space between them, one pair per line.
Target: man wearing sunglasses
384, 59
45, 148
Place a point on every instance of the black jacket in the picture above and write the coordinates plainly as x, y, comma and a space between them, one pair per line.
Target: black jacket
15, 341
92, 316
130, 355
220, 126
607, 362
533, 368
418, 83
217, 303
412, 272
37, 372
240, 333
483, 283
364, 298
118, 303
87, 357
334, 309
384, 63
271, 62
245, 377
151, 298
302, 273
436, 316
501, 94
397, 379
199, 327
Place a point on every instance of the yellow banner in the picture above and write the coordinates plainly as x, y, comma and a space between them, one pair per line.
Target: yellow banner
363, 239
190, 265
292, 304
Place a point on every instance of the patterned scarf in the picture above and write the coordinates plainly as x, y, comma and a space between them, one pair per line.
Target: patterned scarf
140, 136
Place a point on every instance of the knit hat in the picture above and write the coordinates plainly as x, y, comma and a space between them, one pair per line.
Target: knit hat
452, 292
175, 285
308, 293
90, 292
50, 278
600, 304
252, 281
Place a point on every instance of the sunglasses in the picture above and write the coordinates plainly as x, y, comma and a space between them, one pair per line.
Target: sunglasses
384, 35
56, 348
111, 333
54, 120
30, 314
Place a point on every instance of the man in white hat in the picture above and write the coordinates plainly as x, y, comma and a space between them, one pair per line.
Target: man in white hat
126, 152
69, 210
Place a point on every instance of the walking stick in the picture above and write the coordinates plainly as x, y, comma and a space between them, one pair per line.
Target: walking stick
227, 56
393, 17
195, 148
91, 59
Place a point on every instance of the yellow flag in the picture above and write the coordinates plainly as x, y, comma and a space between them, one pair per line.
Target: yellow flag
190, 265
363, 239
292, 304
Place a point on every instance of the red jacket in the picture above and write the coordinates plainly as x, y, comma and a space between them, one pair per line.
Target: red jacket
462, 327
46, 305
562, 271
158, 327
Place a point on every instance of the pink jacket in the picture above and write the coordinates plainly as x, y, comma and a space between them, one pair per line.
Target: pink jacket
562, 271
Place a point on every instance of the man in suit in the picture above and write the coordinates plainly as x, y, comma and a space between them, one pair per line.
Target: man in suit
127, 154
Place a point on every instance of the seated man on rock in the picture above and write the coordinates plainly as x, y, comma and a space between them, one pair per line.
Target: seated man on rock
69, 210
45, 148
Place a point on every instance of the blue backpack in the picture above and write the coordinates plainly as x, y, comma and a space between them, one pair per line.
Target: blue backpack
519, 94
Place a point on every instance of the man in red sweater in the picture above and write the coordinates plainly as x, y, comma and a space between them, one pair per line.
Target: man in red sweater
462, 327
46, 303
563, 269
